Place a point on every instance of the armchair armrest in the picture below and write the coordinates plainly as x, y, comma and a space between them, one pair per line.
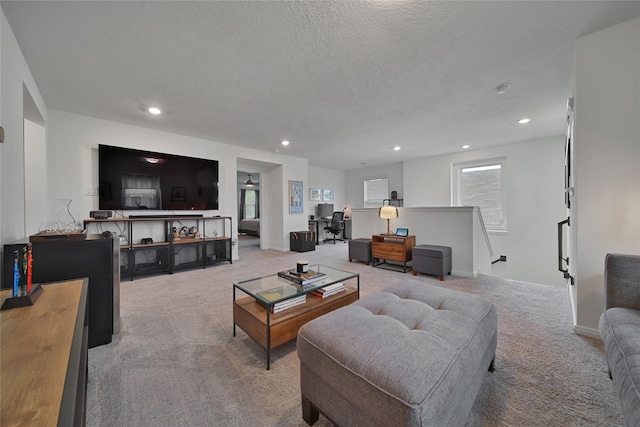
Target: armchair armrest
622, 281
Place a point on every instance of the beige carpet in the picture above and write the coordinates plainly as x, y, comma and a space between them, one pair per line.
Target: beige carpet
176, 362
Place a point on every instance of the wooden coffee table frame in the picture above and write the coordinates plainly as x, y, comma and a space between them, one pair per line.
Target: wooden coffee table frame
271, 330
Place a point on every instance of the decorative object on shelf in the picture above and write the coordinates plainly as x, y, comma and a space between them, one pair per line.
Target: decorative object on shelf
327, 195
24, 292
66, 222
388, 212
315, 194
62, 225
295, 197
23, 300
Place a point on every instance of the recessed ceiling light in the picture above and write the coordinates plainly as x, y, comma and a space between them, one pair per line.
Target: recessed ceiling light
464, 147
155, 111
152, 160
524, 121
285, 142
396, 148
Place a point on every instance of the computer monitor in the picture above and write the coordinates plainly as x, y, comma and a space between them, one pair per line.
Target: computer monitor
325, 210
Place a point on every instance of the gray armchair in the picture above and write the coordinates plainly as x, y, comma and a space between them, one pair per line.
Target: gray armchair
620, 330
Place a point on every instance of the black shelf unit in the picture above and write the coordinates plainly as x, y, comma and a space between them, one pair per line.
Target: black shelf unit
171, 254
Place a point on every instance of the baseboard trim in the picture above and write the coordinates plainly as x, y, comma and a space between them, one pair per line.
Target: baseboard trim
463, 273
588, 332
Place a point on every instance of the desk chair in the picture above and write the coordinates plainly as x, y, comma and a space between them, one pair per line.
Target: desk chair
336, 226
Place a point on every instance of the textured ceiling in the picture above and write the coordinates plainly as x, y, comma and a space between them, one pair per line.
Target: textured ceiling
343, 81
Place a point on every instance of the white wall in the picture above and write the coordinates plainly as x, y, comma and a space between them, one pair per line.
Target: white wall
355, 182
14, 77
534, 196
456, 227
606, 210
73, 167
326, 179
35, 156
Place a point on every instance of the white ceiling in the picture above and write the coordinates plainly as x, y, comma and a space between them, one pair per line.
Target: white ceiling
343, 81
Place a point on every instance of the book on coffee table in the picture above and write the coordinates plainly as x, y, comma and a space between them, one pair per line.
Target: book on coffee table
330, 290
276, 293
301, 278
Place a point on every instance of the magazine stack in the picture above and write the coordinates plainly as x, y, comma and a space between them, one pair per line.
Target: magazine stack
329, 290
302, 279
283, 305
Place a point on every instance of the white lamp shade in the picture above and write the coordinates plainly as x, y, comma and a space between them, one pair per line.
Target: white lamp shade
388, 212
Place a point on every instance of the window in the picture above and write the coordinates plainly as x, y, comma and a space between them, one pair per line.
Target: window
375, 191
481, 183
250, 204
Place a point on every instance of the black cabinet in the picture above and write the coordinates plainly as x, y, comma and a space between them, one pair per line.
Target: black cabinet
96, 257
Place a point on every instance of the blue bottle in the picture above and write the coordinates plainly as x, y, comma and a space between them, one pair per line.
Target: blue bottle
16, 273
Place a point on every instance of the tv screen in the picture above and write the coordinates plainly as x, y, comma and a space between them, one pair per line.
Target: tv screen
134, 179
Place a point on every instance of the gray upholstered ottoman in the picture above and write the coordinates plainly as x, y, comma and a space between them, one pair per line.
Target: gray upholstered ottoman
411, 355
432, 259
360, 249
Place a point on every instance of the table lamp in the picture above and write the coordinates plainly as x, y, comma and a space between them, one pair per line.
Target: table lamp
388, 212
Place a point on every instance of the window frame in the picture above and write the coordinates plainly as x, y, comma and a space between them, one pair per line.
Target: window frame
456, 191
366, 202
250, 204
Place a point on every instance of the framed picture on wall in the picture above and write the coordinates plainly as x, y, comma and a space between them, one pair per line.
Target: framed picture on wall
327, 195
296, 195
315, 194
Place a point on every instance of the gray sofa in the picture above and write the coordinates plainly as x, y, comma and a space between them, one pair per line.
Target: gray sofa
620, 330
411, 355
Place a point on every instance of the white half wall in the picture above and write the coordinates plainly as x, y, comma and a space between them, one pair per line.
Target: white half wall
456, 227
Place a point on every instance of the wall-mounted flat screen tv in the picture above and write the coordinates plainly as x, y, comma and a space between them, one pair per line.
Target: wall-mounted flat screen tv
134, 179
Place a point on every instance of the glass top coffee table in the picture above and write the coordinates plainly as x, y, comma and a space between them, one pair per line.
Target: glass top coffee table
276, 307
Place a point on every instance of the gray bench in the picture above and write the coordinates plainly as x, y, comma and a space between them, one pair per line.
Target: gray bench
411, 355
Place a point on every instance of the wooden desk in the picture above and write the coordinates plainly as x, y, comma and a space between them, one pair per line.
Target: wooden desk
44, 358
346, 233
394, 248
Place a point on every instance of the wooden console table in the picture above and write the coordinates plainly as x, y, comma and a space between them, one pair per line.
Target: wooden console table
44, 358
386, 247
